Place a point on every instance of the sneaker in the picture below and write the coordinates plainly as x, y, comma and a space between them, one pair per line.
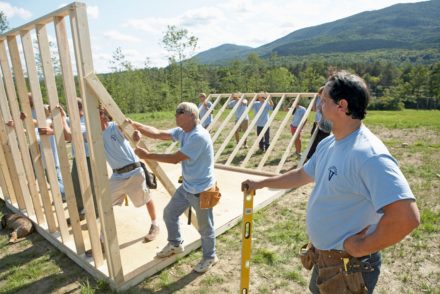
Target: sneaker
298, 154
152, 233
205, 264
169, 250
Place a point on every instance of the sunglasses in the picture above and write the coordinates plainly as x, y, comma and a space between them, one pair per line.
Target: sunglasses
180, 111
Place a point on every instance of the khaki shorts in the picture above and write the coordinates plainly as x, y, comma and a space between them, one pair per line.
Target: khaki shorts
243, 126
135, 187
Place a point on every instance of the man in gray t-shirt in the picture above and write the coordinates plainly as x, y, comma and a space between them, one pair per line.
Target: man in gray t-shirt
361, 202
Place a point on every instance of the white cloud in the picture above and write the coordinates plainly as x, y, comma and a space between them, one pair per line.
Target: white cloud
12, 11
118, 36
150, 25
93, 11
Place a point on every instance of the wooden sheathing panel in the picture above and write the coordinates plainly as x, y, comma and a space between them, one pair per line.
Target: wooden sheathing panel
49, 78
84, 61
44, 140
281, 129
15, 111
77, 139
235, 127
28, 122
220, 112
18, 170
263, 131
295, 135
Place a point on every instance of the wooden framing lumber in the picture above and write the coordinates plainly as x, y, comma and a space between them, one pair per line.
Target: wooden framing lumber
26, 108
278, 133
7, 186
10, 90
77, 139
220, 112
295, 135
44, 140
251, 124
10, 165
263, 131
18, 159
227, 119
52, 94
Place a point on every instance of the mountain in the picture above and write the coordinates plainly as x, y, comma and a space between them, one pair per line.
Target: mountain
411, 26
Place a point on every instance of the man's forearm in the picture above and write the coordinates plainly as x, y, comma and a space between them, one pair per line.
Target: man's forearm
399, 220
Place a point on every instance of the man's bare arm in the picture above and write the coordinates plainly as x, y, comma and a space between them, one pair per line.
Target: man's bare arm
289, 180
167, 158
399, 219
150, 131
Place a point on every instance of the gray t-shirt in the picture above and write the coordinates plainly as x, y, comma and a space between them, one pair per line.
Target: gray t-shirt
355, 178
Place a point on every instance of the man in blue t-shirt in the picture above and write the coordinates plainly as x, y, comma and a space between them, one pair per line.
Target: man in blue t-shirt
263, 119
196, 154
205, 107
296, 119
128, 177
240, 110
361, 202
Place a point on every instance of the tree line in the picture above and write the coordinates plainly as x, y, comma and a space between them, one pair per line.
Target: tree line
393, 86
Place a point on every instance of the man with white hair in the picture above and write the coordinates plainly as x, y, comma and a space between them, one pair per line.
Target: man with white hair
196, 154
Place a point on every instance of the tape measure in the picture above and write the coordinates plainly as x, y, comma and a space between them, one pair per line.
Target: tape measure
246, 237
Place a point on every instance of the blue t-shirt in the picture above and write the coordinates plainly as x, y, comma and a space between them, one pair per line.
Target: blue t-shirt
240, 109
203, 111
118, 151
198, 170
298, 115
264, 117
355, 178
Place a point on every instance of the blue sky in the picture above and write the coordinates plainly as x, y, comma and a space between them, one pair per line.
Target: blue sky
137, 27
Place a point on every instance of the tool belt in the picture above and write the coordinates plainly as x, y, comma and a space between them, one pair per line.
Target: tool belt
127, 168
338, 272
210, 197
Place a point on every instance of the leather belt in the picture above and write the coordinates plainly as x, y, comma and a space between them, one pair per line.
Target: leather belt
127, 168
325, 258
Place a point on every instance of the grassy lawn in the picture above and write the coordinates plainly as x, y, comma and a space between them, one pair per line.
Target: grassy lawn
412, 266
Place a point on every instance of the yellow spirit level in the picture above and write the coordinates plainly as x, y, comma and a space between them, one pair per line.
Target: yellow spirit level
246, 244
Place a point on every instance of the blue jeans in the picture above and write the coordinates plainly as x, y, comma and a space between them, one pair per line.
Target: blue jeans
180, 201
264, 142
370, 278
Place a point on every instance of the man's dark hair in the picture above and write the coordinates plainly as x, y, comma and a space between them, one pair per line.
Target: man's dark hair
344, 85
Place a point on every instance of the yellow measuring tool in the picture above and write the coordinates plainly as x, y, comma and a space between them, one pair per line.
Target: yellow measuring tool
246, 243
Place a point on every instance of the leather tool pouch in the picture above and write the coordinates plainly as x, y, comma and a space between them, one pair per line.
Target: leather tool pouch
210, 197
306, 255
334, 279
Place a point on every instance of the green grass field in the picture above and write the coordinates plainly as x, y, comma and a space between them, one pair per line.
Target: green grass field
411, 266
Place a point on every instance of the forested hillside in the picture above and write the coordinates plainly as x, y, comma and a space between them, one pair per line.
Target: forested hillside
410, 26
393, 85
